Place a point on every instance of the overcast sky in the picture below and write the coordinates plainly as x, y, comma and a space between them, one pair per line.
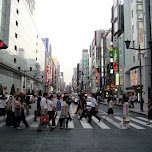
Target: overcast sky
70, 26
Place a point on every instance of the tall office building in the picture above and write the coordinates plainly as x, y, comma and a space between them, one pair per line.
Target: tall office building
25, 47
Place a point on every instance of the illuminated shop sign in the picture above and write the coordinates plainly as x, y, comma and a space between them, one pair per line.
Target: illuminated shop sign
115, 66
115, 55
47, 74
117, 78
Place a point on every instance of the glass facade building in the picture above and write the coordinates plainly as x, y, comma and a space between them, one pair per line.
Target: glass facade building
25, 46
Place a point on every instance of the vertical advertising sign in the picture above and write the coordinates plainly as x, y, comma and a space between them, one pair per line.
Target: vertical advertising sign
96, 76
95, 38
47, 44
141, 34
117, 79
47, 74
134, 77
115, 60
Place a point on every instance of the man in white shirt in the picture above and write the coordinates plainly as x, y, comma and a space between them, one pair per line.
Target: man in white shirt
93, 109
44, 108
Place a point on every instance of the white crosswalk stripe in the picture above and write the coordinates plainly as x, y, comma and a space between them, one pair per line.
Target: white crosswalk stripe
27, 119
141, 122
2, 124
84, 124
114, 123
142, 118
131, 124
100, 124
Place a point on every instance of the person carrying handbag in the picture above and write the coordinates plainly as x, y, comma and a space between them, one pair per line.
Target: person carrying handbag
44, 111
2, 107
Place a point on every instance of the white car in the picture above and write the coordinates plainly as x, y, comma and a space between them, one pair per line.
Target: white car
88, 105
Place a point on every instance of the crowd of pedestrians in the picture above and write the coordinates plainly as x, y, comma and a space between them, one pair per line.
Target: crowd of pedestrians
13, 107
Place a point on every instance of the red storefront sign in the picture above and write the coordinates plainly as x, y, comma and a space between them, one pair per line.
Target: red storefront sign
115, 66
47, 75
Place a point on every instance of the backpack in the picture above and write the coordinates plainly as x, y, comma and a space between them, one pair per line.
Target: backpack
9, 104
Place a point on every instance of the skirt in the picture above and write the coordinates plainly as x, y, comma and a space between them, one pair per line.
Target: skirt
2, 111
150, 115
110, 111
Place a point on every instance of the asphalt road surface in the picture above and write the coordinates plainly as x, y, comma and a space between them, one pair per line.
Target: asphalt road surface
106, 136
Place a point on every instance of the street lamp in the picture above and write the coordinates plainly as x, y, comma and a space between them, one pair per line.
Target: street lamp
139, 49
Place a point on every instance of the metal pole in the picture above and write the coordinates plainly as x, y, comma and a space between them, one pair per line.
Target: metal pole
141, 101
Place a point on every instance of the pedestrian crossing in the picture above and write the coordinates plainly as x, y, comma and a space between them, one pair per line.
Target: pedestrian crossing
136, 123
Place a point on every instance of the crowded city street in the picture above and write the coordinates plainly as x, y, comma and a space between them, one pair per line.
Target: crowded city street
105, 135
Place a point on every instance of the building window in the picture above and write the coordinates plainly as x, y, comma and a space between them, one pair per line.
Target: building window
16, 23
132, 13
36, 51
17, 11
18, 0
15, 47
36, 59
133, 29
16, 35
14, 60
133, 58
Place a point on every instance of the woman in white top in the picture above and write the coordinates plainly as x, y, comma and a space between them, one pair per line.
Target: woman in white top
64, 112
2, 107
51, 110
110, 110
125, 112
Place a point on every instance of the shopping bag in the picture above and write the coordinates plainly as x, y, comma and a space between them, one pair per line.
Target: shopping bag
44, 119
30, 106
127, 120
80, 112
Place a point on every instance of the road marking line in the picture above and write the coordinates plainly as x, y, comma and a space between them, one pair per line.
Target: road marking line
102, 111
70, 124
114, 123
131, 124
27, 119
84, 124
141, 122
142, 118
100, 124
2, 124
34, 124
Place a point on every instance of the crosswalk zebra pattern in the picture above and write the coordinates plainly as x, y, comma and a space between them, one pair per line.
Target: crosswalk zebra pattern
136, 123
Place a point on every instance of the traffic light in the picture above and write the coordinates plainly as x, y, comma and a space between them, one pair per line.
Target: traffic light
3, 45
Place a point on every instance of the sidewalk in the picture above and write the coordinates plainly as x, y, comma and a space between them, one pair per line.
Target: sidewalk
136, 108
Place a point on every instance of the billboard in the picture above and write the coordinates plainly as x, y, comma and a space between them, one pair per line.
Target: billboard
134, 77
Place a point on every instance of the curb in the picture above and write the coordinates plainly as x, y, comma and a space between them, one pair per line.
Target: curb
129, 110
